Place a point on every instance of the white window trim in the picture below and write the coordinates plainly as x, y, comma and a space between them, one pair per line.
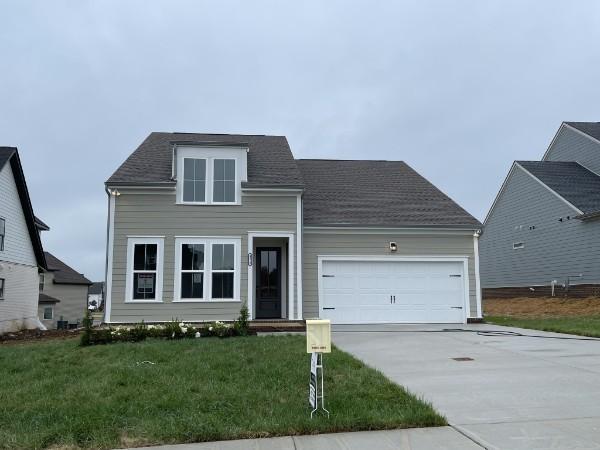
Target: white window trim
131, 242
518, 245
210, 154
207, 288
44, 313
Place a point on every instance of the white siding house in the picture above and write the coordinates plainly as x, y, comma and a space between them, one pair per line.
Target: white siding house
21, 253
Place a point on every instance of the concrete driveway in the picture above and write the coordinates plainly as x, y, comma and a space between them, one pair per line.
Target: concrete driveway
516, 392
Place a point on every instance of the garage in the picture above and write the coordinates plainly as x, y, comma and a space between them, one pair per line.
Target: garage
376, 290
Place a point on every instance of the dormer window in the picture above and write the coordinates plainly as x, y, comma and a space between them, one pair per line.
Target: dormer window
211, 175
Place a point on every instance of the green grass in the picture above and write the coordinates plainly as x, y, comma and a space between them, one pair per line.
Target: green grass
584, 326
60, 395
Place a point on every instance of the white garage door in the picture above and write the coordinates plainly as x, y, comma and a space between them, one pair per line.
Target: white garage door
392, 291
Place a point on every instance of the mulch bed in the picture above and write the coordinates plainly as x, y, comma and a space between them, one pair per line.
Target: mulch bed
542, 307
37, 335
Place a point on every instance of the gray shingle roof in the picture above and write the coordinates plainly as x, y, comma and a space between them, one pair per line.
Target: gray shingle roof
590, 128
377, 194
43, 298
270, 160
570, 180
64, 274
96, 288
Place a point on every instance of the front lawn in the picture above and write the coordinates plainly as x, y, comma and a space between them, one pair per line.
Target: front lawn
584, 326
60, 395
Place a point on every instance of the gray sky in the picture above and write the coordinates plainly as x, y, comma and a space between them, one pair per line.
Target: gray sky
457, 89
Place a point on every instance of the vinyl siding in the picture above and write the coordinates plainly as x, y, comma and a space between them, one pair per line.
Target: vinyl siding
73, 300
553, 250
17, 245
155, 214
571, 145
378, 245
19, 309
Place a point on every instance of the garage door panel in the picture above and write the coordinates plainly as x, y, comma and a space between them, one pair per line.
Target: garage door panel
423, 291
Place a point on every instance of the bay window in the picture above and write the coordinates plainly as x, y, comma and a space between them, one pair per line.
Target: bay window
207, 269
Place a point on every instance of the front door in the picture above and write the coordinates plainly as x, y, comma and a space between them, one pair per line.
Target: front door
268, 283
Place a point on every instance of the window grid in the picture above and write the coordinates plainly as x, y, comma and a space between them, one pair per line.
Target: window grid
194, 180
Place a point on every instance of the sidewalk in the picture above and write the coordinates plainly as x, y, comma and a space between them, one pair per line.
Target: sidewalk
441, 438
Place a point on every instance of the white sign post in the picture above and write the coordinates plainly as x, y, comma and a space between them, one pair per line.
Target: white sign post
318, 337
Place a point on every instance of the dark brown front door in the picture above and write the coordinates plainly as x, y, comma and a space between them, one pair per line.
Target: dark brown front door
268, 283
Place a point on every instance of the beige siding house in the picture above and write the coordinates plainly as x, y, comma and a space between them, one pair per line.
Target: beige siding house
21, 254
63, 295
200, 224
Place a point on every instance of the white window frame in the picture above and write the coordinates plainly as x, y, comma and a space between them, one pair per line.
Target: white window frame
207, 284
209, 154
518, 245
131, 242
51, 313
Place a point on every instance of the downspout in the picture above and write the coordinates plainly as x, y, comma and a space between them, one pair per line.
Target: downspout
477, 280
106, 254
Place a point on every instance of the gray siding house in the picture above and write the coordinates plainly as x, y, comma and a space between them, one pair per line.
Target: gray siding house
63, 294
542, 234
21, 253
200, 224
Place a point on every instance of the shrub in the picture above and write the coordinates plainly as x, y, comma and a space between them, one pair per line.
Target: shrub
241, 325
86, 336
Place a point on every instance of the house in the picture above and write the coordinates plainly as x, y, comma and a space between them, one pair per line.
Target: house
200, 224
63, 295
21, 252
542, 232
96, 295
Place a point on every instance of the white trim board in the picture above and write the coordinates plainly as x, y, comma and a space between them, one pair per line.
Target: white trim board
299, 267
110, 237
291, 268
442, 258
375, 230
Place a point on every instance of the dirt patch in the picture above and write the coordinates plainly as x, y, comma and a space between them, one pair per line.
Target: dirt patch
37, 335
542, 307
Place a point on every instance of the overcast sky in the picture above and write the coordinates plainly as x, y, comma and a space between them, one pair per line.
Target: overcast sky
457, 89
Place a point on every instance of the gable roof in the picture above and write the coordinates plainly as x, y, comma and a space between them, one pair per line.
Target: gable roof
64, 274
11, 155
590, 128
361, 193
270, 160
570, 180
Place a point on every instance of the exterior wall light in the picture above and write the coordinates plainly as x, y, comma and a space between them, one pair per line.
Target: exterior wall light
393, 247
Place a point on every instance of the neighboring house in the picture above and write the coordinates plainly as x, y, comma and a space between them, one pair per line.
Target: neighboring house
96, 295
63, 294
200, 224
542, 233
21, 252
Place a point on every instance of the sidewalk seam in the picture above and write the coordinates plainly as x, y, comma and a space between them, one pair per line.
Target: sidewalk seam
465, 434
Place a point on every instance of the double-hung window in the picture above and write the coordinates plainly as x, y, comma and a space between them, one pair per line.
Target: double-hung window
223, 181
1, 288
42, 280
144, 269
207, 269
194, 180
48, 313
2, 233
